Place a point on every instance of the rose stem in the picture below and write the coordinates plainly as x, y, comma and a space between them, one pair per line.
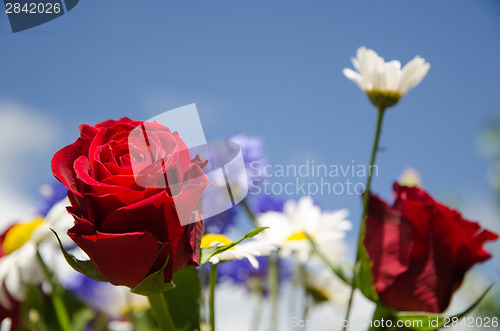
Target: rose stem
213, 280
58, 303
366, 200
160, 311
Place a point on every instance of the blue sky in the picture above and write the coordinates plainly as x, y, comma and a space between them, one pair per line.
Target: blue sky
265, 68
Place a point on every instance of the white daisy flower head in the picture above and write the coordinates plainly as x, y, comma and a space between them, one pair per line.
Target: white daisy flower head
325, 286
57, 219
385, 82
17, 269
6, 324
246, 250
288, 229
19, 263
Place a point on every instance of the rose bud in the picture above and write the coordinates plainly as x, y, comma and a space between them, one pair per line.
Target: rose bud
135, 196
420, 250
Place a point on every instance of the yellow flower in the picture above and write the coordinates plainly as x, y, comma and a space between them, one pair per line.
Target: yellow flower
214, 239
19, 234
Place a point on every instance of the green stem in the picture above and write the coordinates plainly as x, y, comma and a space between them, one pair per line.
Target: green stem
213, 280
380, 319
302, 279
57, 301
160, 311
257, 309
366, 200
307, 306
249, 211
273, 288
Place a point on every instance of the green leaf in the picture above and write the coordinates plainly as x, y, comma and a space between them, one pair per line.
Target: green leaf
430, 322
185, 299
364, 279
208, 252
386, 314
336, 269
81, 319
82, 266
154, 283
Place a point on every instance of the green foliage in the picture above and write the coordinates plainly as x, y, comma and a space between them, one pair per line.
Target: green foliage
38, 313
364, 279
185, 299
430, 322
154, 283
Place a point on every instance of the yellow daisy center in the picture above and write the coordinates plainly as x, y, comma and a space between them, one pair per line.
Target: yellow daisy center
297, 236
209, 239
19, 234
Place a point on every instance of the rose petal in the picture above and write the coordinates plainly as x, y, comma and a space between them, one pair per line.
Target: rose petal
388, 242
62, 164
123, 259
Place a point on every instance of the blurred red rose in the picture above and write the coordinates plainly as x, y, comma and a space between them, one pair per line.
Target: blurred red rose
13, 314
133, 187
421, 250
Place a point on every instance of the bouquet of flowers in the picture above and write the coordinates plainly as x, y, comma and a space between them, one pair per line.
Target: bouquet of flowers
127, 240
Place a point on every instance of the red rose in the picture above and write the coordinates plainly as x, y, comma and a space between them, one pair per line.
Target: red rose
133, 187
421, 250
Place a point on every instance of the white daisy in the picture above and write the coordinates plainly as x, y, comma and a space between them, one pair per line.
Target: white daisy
57, 219
288, 229
6, 324
385, 82
19, 264
327, 287
247, 249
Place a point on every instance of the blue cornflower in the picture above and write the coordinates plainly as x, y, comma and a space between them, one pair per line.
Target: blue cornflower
255, 161
252, 149
222, 222
50, 195
266, 202
241, 272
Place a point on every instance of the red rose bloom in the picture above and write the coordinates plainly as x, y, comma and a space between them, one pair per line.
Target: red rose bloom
420, 250
133, 187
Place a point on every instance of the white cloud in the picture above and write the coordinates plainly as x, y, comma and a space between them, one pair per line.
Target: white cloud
27, 141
